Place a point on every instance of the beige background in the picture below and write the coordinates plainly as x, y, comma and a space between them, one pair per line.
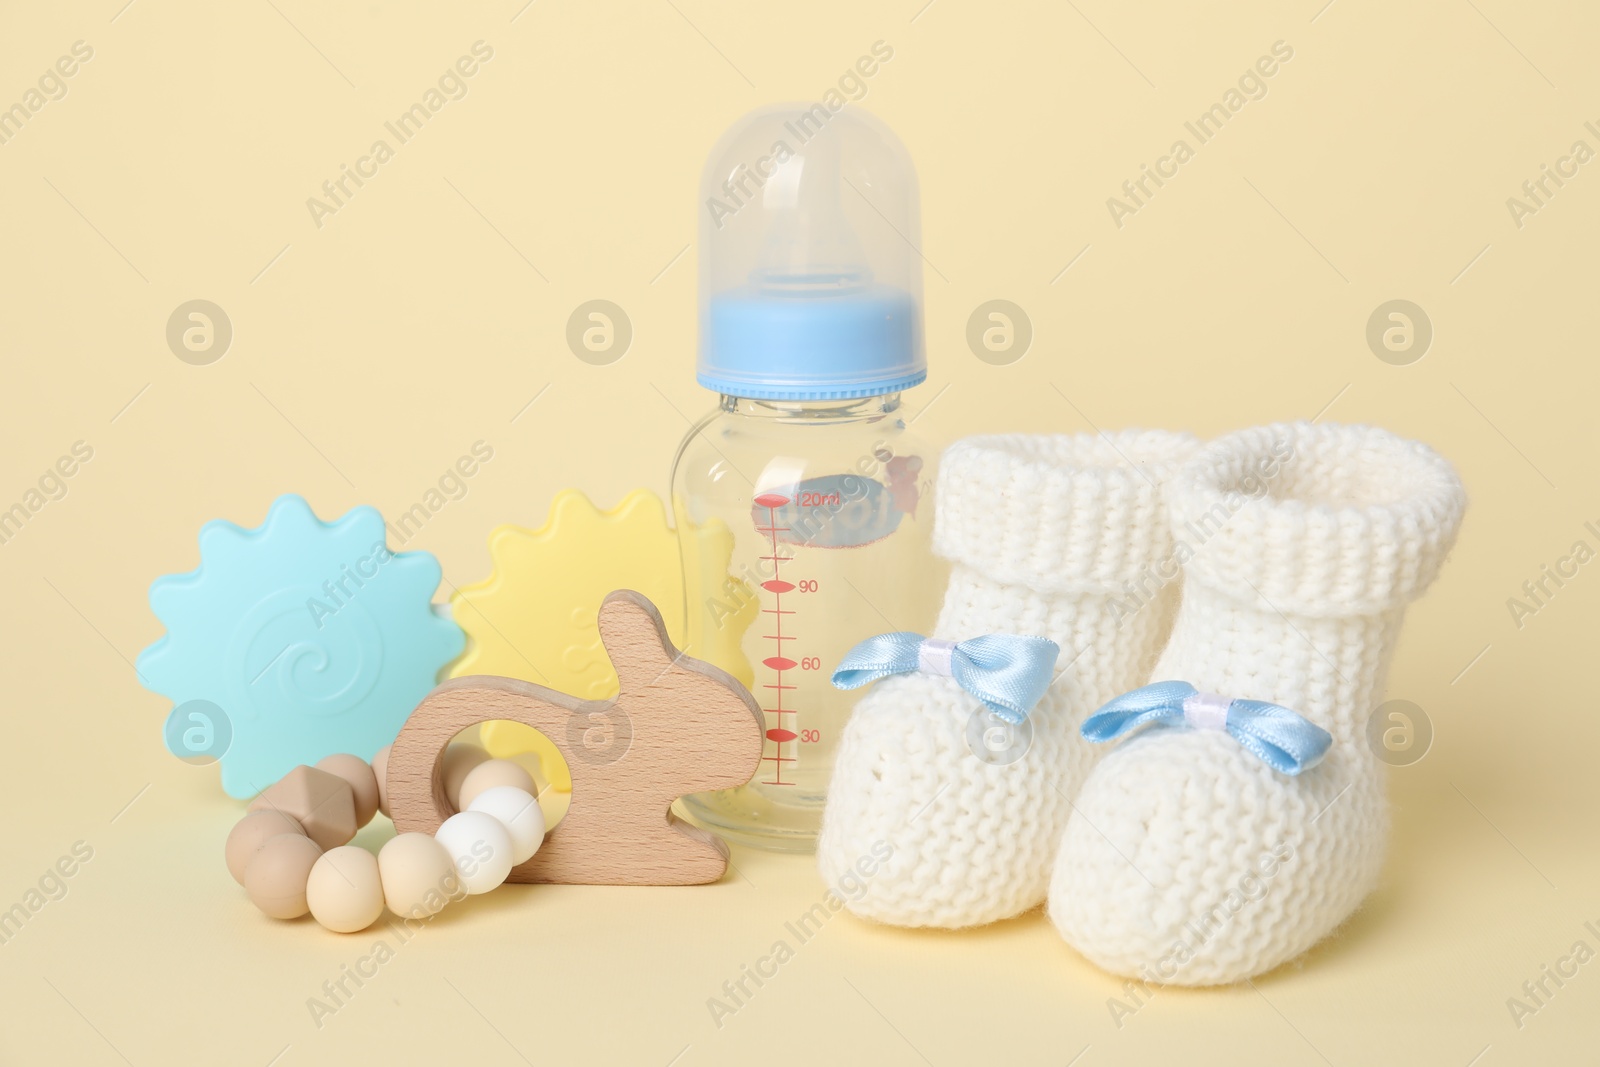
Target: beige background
370, 353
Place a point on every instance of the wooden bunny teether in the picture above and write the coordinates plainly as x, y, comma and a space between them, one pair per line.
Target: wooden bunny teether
677, 726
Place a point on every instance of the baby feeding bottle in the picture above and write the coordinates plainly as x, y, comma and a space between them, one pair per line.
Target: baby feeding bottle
810, 329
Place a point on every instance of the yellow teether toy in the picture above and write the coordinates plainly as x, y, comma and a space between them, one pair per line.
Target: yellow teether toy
534, 617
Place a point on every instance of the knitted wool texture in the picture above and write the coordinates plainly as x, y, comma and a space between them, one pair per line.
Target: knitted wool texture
1188, 860
1043, 532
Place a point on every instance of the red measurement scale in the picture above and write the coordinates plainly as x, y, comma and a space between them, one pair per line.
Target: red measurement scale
780, 732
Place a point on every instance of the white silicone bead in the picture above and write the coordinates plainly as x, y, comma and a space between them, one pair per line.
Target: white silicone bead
480, 846
519, 812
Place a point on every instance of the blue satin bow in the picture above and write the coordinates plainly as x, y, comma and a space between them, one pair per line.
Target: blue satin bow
1280, 738
1007, 672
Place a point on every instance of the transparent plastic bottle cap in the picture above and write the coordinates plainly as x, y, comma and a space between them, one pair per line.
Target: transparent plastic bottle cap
810, 279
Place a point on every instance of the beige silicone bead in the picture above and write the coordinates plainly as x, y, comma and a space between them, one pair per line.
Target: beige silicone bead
380, 772
459, 760
276, 875
253, 831
419, 877
488, 775
363, 782
344, 891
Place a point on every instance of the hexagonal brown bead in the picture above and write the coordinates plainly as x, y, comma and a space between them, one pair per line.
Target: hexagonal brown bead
323, 803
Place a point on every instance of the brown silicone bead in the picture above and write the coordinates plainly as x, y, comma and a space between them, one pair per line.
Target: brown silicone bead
276, 876
251, 833
322, 803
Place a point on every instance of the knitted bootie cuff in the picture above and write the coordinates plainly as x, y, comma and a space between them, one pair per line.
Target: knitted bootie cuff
1058, 513
1316, 520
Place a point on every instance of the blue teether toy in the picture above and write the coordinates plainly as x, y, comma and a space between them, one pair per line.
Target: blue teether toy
308, 637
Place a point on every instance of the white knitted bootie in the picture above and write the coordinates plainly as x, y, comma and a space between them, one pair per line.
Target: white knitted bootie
1044, 533
1188, 860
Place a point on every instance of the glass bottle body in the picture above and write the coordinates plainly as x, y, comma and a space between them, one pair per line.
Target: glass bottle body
827, 513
